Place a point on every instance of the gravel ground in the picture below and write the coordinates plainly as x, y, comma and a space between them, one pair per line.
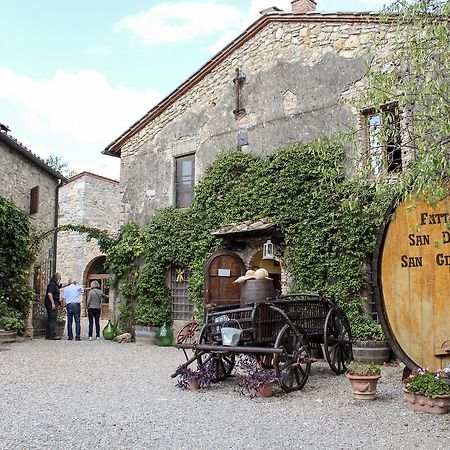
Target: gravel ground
100, 394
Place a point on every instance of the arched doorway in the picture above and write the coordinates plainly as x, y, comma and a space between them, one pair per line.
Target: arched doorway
95, 271
271, 265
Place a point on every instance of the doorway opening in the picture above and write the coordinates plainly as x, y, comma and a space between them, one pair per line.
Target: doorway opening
95, 271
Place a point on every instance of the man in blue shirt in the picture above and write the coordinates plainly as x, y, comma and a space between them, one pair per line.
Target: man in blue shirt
72, 298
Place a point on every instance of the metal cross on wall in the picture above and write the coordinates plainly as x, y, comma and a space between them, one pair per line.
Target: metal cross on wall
238, 81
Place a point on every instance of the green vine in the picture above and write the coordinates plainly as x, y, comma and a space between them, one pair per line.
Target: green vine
16, 253
329, 223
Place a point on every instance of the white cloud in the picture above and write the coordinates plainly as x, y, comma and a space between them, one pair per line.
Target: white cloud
181, 21
81, 106
98, 50
73, 115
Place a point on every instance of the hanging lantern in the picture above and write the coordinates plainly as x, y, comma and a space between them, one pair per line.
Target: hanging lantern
268, 250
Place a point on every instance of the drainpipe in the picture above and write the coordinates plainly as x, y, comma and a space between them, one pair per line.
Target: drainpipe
55, 225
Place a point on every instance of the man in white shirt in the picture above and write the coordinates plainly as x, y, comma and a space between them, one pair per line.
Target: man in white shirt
72, 299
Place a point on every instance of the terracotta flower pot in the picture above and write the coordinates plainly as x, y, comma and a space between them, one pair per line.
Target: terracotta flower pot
265, 390
416, 402
364, 387
193, 385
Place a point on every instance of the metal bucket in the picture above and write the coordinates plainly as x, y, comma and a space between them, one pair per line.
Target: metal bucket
257, 291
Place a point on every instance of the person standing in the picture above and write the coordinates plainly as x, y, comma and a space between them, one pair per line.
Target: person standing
52, 303
94, 305
72, 298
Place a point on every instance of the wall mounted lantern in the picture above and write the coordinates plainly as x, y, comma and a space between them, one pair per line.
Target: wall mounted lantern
268, 250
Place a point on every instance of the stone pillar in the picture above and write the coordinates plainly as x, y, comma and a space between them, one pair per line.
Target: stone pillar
303, 6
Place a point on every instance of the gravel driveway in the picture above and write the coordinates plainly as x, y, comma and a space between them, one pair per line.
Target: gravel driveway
100, 394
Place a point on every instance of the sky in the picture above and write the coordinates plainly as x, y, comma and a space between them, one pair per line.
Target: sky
75, 74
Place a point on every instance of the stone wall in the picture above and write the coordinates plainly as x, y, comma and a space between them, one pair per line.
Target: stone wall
89, 200
300, 78
17, 177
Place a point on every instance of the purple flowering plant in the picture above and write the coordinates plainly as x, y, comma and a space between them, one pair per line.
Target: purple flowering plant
253, 376
429, 384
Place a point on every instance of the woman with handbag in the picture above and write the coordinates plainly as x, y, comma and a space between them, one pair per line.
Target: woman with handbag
94, 305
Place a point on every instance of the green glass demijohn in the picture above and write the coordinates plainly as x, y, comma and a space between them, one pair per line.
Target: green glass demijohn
164, 336
109, 332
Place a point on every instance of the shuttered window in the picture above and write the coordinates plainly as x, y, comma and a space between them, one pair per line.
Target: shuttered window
184, 180
34, 200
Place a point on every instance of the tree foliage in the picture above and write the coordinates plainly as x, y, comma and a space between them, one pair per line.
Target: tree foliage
415, 74
57, 163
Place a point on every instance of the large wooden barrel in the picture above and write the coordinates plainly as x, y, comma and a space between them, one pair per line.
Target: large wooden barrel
412, 282
257, 291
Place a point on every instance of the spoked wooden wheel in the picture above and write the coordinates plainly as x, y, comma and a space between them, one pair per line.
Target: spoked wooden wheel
187, 334
218, 364
337, 341
294, 364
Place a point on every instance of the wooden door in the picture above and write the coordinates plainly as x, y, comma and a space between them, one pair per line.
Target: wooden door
221, 270
101, 279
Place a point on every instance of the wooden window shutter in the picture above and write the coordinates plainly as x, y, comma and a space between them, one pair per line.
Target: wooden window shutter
34, 200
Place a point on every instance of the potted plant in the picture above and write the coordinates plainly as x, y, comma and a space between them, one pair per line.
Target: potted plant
255, 380
11, 323
368, 340
60, 323
363, 378
147, 319
427, 391
193, 379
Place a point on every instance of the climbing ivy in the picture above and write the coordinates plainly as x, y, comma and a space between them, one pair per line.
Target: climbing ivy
16, 255
329, 222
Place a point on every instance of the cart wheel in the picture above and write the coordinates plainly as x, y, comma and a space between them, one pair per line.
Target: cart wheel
218, 364
294, 364
337, 341
187, 334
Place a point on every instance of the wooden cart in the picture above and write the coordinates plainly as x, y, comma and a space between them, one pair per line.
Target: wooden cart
280, 334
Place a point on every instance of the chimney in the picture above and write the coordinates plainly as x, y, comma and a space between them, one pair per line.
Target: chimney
303, 6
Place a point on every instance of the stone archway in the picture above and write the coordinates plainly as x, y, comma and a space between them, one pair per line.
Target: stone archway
271, 265
95, 271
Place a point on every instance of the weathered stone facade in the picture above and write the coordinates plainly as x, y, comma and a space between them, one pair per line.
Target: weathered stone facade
89, 200
300, 71
301, 75
21, 172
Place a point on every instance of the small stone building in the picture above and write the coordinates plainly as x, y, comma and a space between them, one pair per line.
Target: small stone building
93, 201
34, 187
289, 77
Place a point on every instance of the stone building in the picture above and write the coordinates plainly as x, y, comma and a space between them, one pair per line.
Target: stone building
93, 201
34, 187
288, 78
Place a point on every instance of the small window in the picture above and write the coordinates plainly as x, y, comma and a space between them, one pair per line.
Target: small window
182, 308
34, 200
184, 180
383, 140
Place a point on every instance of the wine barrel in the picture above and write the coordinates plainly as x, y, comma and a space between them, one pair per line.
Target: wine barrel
412, 282
257, 291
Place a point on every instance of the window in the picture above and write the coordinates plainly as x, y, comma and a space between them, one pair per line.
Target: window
184, 180
383, 140
34, 200
182, 308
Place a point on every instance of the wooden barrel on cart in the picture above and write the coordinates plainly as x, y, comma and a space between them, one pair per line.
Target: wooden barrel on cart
412, 282
257, 291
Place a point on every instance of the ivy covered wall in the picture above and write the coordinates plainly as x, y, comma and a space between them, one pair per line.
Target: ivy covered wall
329, 223
16, 256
